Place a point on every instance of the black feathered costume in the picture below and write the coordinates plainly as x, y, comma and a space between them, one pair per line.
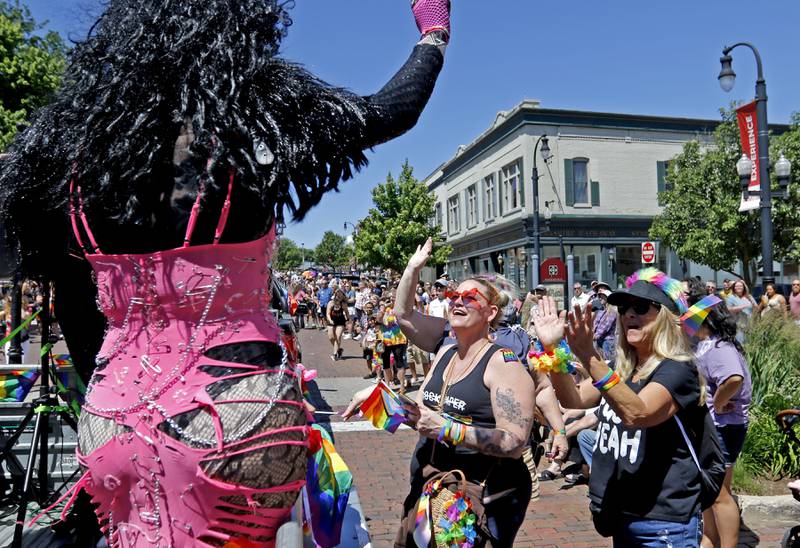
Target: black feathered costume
165, 101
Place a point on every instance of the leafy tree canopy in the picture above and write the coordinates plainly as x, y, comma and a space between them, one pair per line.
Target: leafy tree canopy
31, 67
288, 255
701, 219
333, 250
399, 221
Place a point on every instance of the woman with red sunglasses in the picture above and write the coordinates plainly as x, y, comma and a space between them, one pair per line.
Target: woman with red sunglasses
474, 413
645, 485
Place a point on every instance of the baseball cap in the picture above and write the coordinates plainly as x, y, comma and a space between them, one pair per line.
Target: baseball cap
540, 287
643, 290
441, 282
599, 286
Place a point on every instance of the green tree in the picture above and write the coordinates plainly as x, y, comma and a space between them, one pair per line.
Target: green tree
332, 250
287, 256
31, 67
701, 219
399, 221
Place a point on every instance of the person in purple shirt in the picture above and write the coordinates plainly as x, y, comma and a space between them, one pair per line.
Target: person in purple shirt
605, 324
721, 361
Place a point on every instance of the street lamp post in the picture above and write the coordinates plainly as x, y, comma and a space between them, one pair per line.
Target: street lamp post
726, 80
548, 216
536, 257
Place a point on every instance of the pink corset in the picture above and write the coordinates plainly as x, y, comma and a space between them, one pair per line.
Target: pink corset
164, 311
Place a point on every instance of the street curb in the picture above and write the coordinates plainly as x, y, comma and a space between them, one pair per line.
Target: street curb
775, 508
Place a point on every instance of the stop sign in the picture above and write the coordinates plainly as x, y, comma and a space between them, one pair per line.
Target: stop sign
648, 252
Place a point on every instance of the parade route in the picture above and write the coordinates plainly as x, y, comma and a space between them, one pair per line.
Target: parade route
379, 462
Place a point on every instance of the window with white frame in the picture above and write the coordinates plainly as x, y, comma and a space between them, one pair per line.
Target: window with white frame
580, 173
489, 198
511, 183
472, 206
453, 215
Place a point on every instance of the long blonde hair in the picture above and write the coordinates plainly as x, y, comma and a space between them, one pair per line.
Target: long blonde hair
669, 343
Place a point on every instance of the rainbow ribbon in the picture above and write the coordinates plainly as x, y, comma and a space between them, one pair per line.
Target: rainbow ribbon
384, 409
697, 314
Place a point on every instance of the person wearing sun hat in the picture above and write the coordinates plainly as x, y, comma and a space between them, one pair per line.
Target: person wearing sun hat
645, 486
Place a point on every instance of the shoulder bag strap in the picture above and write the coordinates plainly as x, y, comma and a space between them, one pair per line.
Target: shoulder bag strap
688, 442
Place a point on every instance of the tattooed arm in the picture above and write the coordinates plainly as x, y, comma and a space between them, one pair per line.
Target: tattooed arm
513, 401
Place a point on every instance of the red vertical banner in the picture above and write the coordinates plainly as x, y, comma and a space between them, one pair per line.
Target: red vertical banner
748, 130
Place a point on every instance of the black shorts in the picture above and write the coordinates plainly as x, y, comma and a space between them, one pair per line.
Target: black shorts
731, 438
368, 353
399, 351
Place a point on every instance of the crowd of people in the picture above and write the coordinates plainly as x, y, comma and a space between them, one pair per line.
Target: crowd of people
634, 397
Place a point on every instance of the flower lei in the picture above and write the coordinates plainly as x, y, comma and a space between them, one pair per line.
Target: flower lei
458, 523
559, 360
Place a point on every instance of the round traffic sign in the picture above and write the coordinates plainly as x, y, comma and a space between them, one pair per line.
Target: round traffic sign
648, 252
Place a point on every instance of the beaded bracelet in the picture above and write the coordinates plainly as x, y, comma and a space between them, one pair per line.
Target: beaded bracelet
557, 360
561, 432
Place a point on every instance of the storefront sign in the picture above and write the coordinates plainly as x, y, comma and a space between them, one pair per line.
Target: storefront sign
553, 271
748, 130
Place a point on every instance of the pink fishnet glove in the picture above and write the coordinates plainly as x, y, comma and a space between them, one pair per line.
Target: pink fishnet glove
431, 16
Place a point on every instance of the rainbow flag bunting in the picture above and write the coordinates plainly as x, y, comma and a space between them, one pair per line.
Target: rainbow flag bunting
697, 313
384, 409
14, 386
328, 483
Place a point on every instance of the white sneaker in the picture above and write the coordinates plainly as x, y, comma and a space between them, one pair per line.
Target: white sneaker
346, 336
357, 338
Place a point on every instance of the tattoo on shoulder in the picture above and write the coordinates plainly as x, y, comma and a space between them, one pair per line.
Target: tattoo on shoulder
510, 408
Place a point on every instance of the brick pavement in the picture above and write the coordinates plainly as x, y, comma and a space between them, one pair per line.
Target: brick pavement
379, 462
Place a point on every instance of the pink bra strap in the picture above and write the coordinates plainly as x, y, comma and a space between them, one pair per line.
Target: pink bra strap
193, 216
72, 212
223, 216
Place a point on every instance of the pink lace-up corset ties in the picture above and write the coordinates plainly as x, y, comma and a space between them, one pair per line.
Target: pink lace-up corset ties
182, 449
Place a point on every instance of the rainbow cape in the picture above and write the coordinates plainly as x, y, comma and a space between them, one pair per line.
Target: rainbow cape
384, 409
14, 386
697, 313
328, 482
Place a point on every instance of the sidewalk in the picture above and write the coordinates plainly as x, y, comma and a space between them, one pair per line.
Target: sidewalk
379, 462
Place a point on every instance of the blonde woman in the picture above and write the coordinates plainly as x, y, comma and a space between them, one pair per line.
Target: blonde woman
644, 488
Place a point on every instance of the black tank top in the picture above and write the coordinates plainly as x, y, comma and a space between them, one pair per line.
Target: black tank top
337, 314
468, 400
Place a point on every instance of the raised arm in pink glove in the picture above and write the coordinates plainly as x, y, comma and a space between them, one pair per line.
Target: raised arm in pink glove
433, 16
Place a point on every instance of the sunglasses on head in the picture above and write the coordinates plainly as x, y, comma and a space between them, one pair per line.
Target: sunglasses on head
640, 306
468, 297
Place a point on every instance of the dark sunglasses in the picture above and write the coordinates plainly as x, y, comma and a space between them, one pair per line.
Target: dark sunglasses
639, 306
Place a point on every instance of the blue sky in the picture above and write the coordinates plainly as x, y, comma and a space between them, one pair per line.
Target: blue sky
627, 56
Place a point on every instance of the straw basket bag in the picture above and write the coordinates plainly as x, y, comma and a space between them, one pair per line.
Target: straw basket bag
442, 498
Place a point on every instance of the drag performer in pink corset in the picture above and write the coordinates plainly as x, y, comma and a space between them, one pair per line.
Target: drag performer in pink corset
152, 185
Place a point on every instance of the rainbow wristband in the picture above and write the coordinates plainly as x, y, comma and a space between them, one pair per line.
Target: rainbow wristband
601, 382
612, 382
558, 360
561, 432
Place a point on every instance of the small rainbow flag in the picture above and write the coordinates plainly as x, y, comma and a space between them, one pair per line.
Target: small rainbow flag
15, 385
384, 409
697, 313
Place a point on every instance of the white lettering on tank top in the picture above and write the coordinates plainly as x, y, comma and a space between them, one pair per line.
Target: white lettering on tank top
456, 403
